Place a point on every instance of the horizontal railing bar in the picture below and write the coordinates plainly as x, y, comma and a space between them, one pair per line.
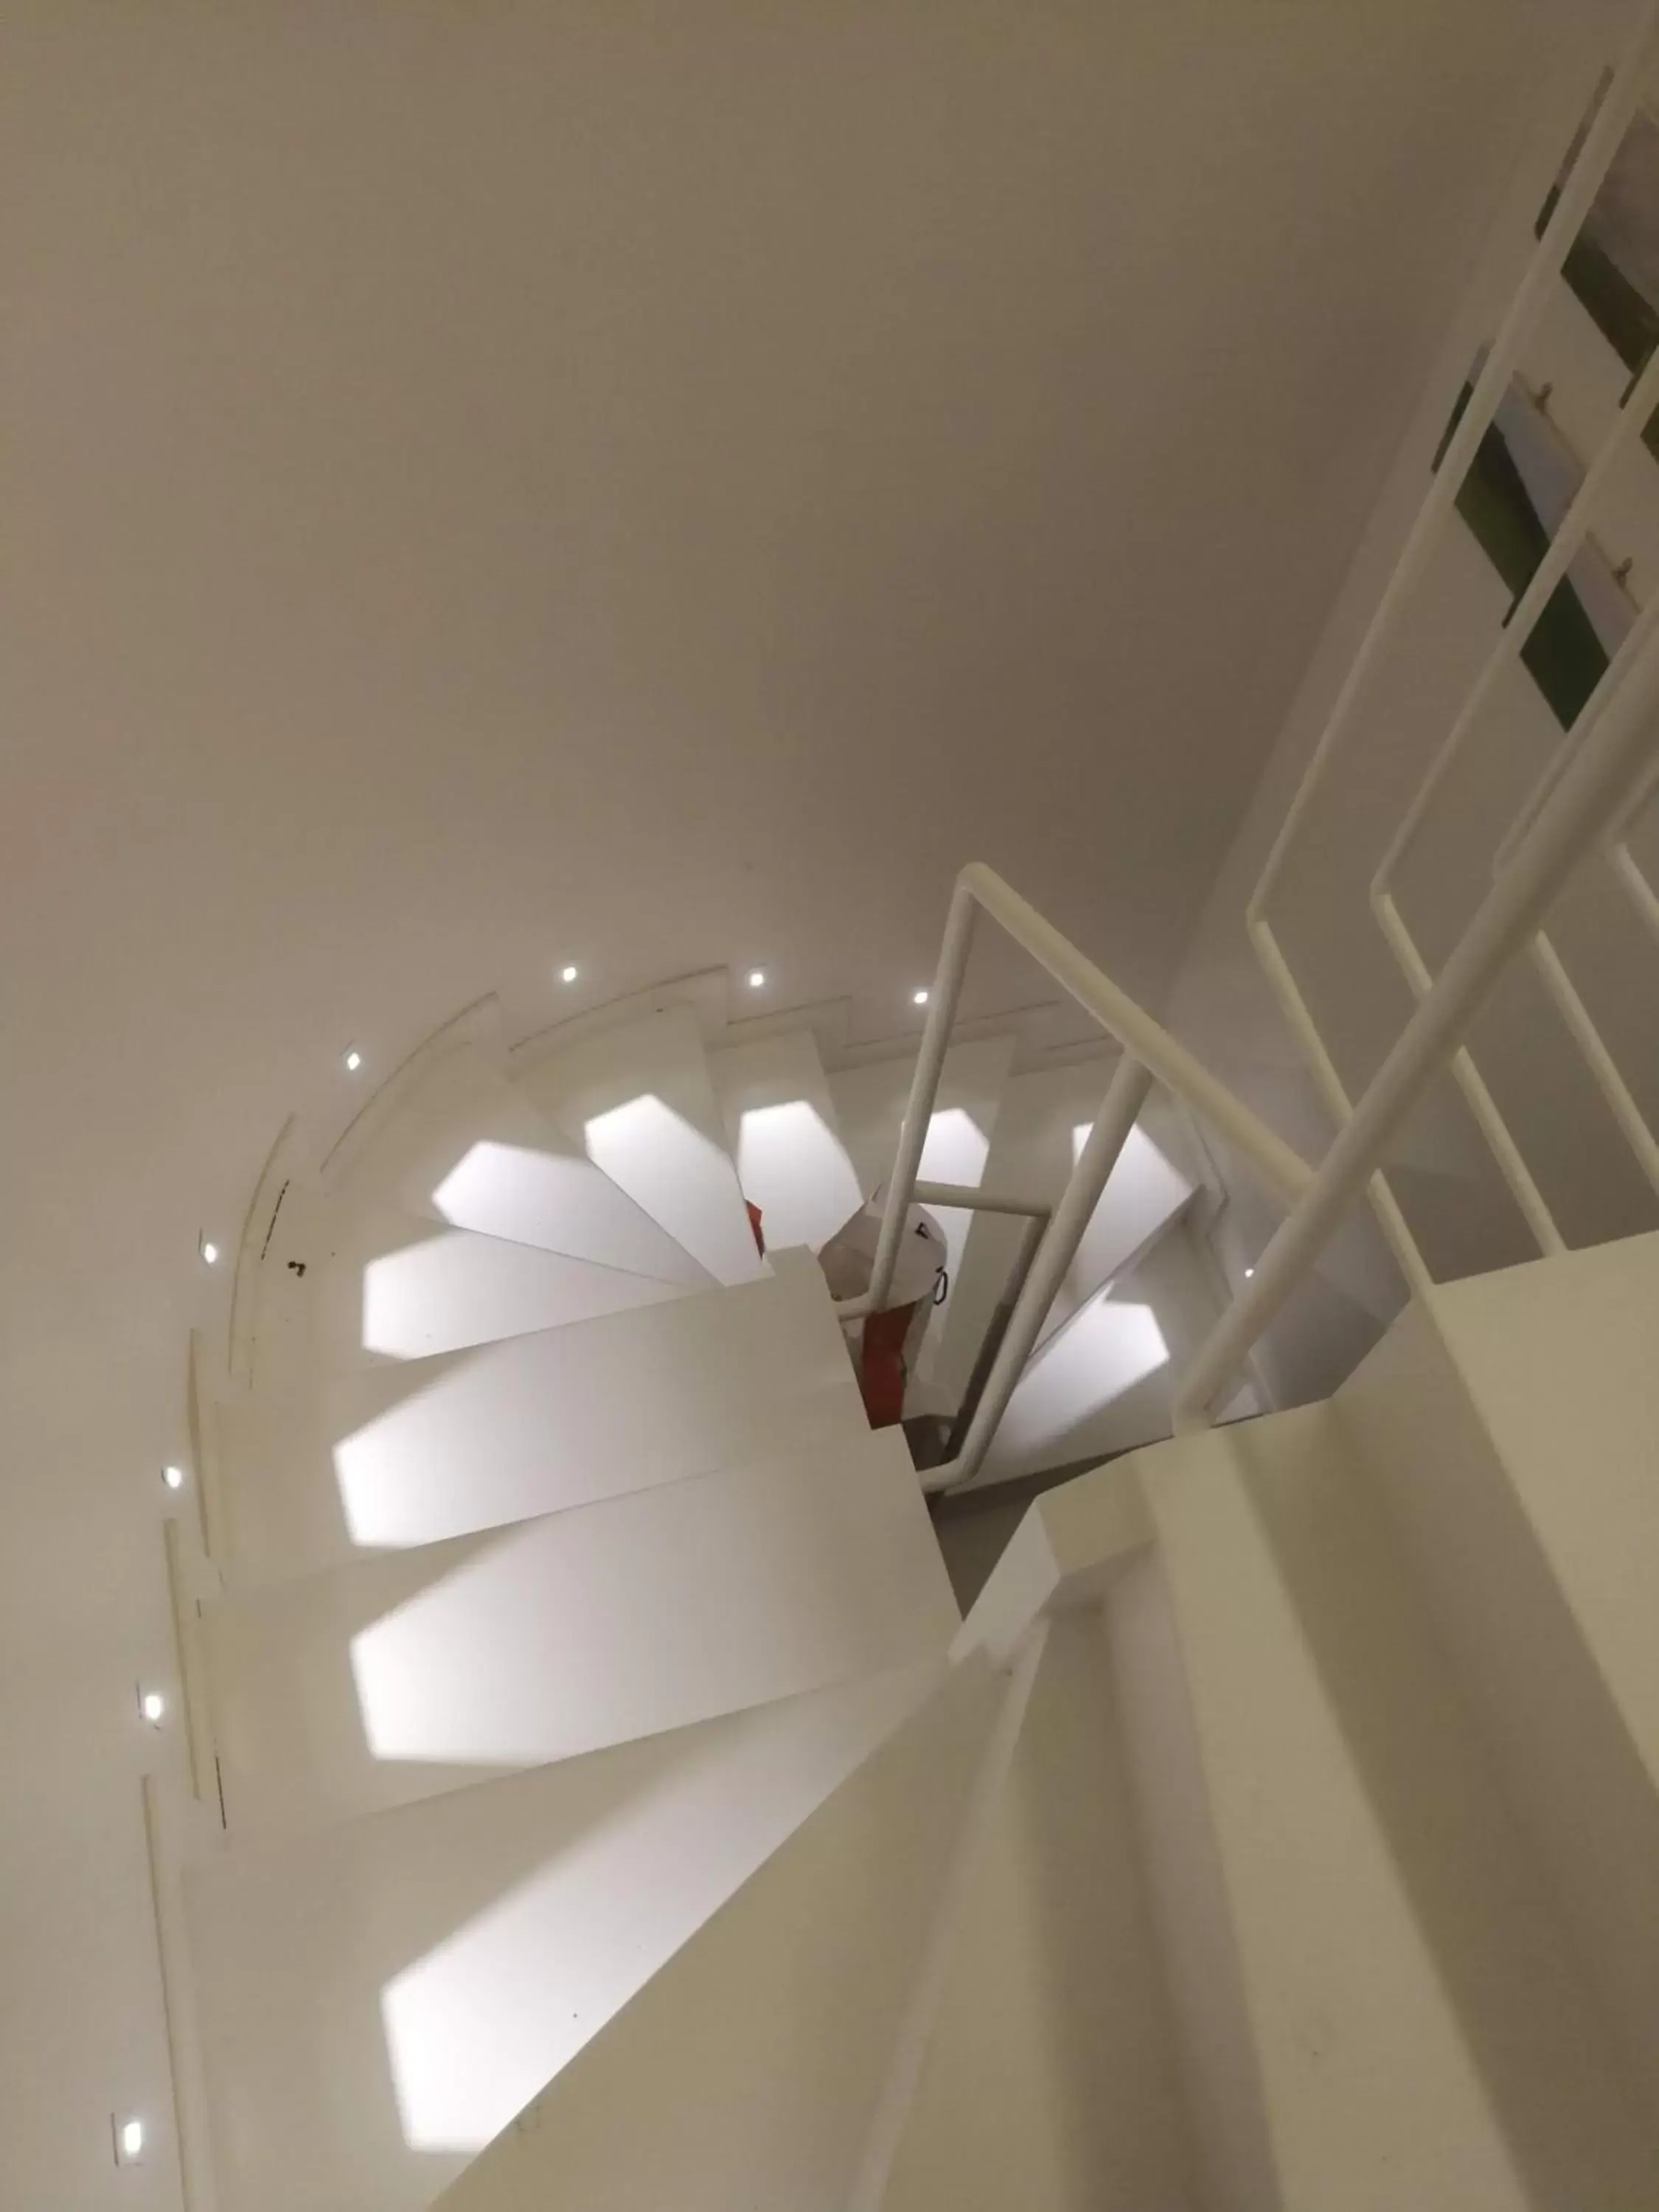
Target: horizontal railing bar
1630, 648
1489, 1120
1285, 1173
1581, 1026
1299, 1017
1643, 896
1578, 190
1126, 1094
942, 1003
1507, 647
974, 1200
1595, 786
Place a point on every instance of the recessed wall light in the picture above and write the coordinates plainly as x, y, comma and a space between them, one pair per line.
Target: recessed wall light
209, 1251
568, 974
128, 2140
153, 1705
756, 978
174, 1477
354, 1060
918, 997
1248, 1272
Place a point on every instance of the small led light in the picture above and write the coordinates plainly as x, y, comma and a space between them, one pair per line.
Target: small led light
756, 978
154, 1706
209, 1251
918, 997
354, 1060
567, 975
1248, 1272
129, 2141
174, 1477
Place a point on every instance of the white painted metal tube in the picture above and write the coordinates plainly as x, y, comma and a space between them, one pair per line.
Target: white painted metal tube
1125, 1097
1506, 649
1613, 676
974, 1200
1641, 893
1282, 1171
1299, 1018
1511, 1163
1030, 1243
1590, 795
1580, 188
1580, 1025
942, 1002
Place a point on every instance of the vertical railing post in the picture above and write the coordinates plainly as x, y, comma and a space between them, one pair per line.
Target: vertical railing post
1125, 1097
1030, 1242
942, 1001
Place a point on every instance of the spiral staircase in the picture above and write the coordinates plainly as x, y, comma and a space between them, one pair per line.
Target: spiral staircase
601, 1801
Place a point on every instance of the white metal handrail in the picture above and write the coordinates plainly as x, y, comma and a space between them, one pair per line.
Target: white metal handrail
1149, 1052
1593, 793
1577, 192
1601, 773
1594, 789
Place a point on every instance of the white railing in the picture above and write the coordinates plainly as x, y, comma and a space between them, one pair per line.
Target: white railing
1531, 297
1604, 771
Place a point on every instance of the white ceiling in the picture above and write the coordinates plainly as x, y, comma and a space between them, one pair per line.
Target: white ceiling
651, 484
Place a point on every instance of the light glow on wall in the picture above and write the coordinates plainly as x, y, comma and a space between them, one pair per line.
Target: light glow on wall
440, 1678
681, 1177
561, 1202
1105, 1349
484, 2020
791, 1164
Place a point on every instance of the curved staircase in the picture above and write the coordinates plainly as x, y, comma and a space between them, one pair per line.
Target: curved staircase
608, 1807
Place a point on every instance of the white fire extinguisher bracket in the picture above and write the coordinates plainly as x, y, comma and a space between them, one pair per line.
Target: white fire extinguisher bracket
849, 1259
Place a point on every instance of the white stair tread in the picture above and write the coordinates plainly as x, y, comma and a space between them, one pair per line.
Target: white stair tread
1421, 2030
466, 1147
745, 2073
781, 1128
1049, 2077
640, 1097
392, 1286
396, 1676
400, 1456
471, 1945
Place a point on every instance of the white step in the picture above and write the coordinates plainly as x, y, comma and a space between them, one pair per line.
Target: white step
400, 1675
745, 2072
1104, 1381
1381, 2006
343, 1288
780, 1126
464, 1146
640, 1098
1510, 1424
378, 2001
1049, 2078
411, 1454
392, 1286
